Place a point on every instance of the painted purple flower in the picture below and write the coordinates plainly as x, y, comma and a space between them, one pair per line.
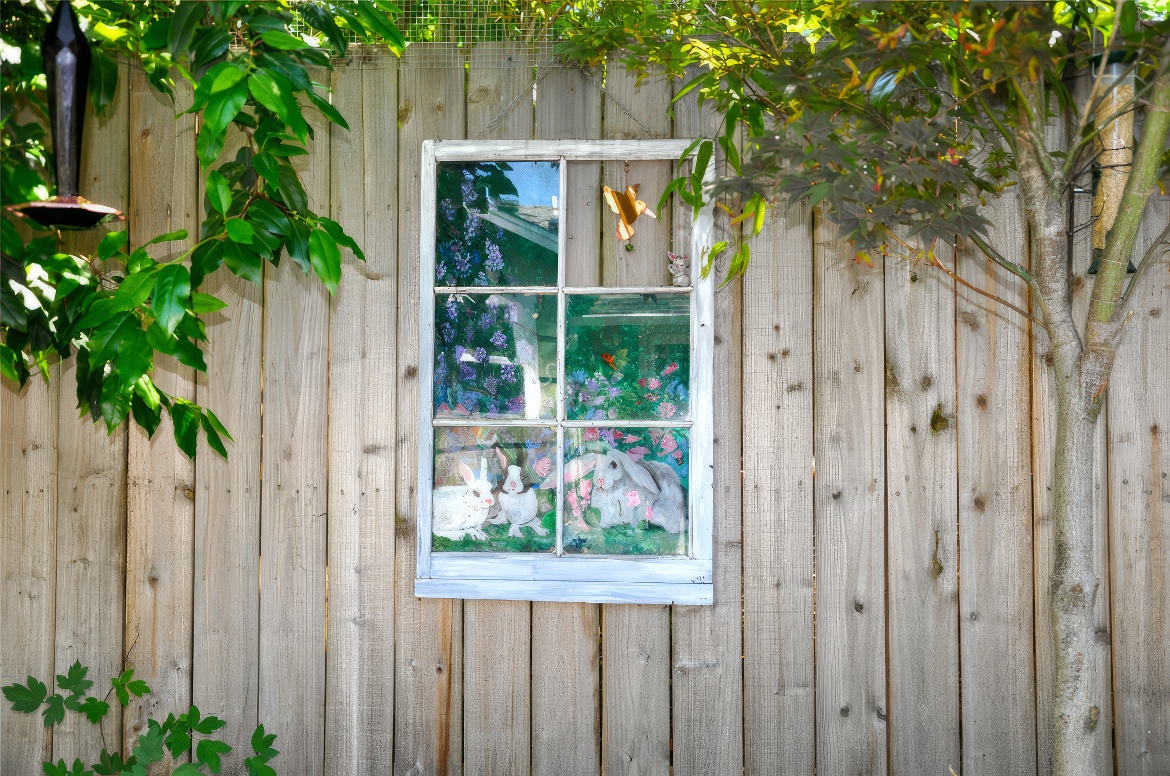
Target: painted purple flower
591, 384
495, 261
516, 405
481, 279
472, 224
481, 355
459, 351
508, 373
466, 372
462, 263
499, 339
452, 308
447, 332
491, 383
469, 194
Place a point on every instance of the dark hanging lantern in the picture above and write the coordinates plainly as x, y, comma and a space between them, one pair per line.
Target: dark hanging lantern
66, 58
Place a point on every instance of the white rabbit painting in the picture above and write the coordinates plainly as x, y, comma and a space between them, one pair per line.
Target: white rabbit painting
514, 467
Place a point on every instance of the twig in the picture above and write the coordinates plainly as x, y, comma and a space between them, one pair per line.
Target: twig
1149, 258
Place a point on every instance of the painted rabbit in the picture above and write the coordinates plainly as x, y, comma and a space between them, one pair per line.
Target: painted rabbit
519, 505
460, 510
626, 491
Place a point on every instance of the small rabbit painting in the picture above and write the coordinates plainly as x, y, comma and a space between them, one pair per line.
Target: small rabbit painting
507, 506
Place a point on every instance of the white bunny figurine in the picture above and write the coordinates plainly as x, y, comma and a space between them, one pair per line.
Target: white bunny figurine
519, 505
460, 510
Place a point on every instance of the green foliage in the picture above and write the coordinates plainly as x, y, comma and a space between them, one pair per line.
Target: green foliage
902, 113
175, 736
117, 310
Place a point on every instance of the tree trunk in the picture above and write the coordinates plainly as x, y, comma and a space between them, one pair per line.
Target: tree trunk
1073, 585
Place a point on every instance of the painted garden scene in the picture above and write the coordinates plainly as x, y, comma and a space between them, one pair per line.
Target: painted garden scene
526, 388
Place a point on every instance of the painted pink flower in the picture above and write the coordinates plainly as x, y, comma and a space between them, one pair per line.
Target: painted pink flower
571, 497
653, 383
642, 381
617, 435
668, 443
649, 511
670, 369
666, 410
592, 434
637, 453
543, 466
586, 488
633, 497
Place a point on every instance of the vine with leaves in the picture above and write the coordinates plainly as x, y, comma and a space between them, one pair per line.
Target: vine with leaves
117, 310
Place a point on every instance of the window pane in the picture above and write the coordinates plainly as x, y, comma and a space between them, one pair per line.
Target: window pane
494, 490
626, 491
627, 356
496, 224
495, 356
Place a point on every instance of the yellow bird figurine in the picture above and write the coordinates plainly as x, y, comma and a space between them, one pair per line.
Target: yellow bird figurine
627, 207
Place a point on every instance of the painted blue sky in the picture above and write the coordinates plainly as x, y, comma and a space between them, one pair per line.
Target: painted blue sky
536, 182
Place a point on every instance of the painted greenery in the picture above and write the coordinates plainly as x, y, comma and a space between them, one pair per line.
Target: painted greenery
627, 357
587, 449
491, 231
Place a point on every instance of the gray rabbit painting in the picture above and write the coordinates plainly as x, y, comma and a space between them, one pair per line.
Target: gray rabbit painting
625, 490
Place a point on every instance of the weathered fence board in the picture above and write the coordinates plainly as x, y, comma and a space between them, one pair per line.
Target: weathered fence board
995, 508
497, 648
428, 664
359, 678
91, 474
849, 498
778, 497
294, 489
160, 497
566, 637
922, 519
1139, 494
707, 641
936, 454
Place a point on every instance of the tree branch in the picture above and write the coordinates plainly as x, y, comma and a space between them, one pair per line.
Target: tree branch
1119, 242
1151, 257
1015, 269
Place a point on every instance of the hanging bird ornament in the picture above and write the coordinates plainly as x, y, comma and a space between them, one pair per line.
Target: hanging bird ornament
627, 207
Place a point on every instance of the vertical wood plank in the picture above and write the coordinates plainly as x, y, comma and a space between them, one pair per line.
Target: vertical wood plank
922, 515
566, 637
91, 469
1139, 501
707, 641
779, 702
294, 491
28, 484
635, 665
995, 508
359, 683
225, 674
497, 719
850, 506
428, 716
160, 495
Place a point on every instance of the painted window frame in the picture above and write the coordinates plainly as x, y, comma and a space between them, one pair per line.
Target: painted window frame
547, 576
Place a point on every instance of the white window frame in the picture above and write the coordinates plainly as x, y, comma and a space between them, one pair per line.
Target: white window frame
547, 576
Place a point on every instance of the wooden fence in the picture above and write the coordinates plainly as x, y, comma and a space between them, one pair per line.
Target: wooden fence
874, 426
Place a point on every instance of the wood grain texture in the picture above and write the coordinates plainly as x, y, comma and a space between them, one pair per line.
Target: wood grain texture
707, 641
28, 521
635, 651
91, 472
566, 637
294, 490
497, 718
849, 499
779, 711
160, 495
995, 508
1043, 461
1139, 507
922, 516
225, 676
428, 664
359, 684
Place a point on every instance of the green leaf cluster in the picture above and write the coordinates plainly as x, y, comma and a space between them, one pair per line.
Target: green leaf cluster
118, 310
176, 736
886, 114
